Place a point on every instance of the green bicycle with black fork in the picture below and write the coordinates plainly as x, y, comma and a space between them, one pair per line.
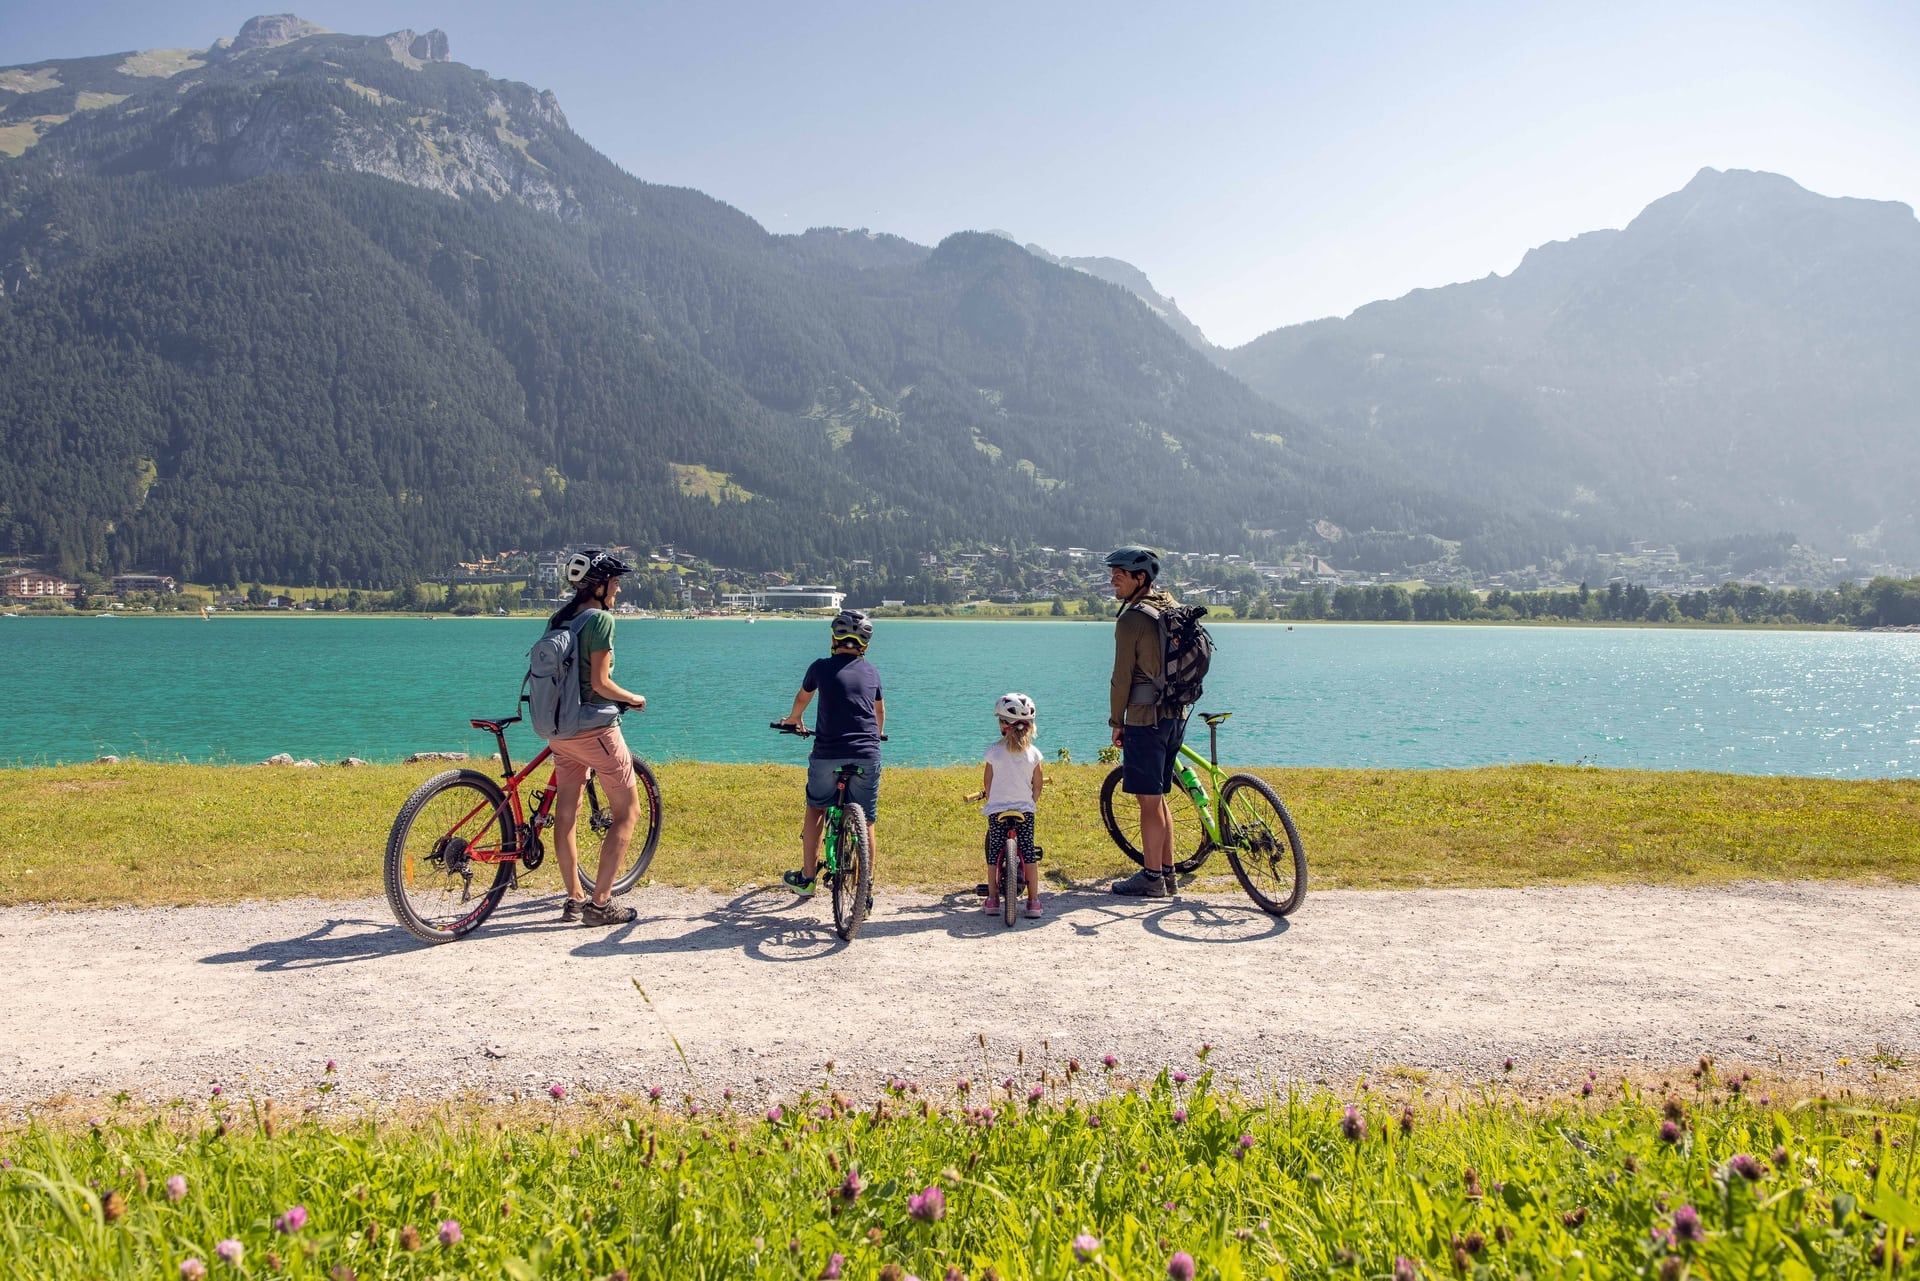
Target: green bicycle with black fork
1248, 822
846, 851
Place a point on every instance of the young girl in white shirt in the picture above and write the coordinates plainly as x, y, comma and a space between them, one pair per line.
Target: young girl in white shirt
1013, 780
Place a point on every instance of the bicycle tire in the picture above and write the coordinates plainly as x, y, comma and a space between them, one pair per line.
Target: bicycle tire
1271, 864
1124, 827
853, 883
1010, 878
595, 820
414, 868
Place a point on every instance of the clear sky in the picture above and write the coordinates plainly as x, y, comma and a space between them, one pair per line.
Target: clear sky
1264, 163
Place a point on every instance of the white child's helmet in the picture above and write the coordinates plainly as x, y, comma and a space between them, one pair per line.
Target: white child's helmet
1014, 707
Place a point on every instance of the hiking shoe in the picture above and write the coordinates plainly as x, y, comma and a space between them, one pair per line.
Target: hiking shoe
796, 882
607, 914
570, 911
1141, 884
1170, 886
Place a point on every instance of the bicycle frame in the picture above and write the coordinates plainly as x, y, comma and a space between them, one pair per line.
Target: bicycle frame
524, 829
1189, 781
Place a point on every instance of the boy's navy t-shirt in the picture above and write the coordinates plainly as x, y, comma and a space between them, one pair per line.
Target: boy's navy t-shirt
844, 724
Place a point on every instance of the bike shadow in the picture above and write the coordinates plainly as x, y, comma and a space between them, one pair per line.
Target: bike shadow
345, 940
772, 924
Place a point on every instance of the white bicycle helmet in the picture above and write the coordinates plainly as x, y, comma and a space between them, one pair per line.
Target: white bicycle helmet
594, 563
1014, 707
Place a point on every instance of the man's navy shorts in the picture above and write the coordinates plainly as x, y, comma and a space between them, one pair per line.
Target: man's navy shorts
863, 788
1147, 756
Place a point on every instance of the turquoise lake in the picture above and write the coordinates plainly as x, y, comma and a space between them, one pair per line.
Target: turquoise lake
241, 688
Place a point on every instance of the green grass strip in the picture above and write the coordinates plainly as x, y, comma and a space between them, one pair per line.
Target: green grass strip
139, 833
1089, 1181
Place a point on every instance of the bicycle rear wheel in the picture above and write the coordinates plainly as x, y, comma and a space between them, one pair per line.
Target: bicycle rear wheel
1121, 813
1010, 889
853, 883
596, 820
430, 866
1263, 844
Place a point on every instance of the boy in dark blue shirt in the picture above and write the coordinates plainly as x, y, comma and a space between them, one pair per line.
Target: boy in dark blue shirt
848, 726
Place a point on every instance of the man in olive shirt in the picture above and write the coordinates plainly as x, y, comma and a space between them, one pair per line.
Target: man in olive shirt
1147, 734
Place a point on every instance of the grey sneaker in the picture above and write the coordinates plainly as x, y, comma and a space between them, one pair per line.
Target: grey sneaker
1142, 884
607, 914
1169, 886
570, 911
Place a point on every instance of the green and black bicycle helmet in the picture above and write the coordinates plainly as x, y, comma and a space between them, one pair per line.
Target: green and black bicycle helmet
593, 565
852, 624
1135, 560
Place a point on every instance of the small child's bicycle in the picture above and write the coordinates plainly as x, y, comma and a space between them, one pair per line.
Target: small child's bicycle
1012, 865
846, 854
460, 823
1249, 823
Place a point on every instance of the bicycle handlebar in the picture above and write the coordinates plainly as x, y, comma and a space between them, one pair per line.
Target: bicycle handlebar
799, 731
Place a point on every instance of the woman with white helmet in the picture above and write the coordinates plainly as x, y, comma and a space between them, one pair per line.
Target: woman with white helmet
1012, 781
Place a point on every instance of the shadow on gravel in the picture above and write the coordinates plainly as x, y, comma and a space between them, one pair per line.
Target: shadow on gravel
774, 925
344, 940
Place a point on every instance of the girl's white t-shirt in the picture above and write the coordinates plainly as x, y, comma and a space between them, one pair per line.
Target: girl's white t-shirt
1012, 779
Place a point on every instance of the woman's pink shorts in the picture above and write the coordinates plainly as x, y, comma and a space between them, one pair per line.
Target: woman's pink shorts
603, 751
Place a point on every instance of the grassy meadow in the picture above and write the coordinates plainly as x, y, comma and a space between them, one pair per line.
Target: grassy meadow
1062, 1173
139, 833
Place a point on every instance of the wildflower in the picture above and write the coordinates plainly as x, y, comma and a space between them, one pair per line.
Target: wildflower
1672, 1268
192, 1269
1574, 1218
1179, 1078
1180, 1266
1586, 1089
1747, 1168
292, 1221
1246, 1146
330, 1067
929, 1206
1206, 1048
1507, 1066
954, 1274
774, 1114
1352, 1124
1093, 1120
655, 1093
341, 1272
1780, 1156
112, 1206
1687, 1228
1036, 1094
831, 1272
727, 1094
851, 1187
1405, 1269
1407, 1121
557, 1090
1674, 1110
1474, 1242
177, 1188
450, 1232
1085, 1246
409, 1238
1669, 1132
216, 1091
230, 1251
963, 1085
1179, 1116
1109, 1062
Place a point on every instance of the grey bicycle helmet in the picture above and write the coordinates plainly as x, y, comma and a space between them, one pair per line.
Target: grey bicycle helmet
594, 565
852, 624
1135, 560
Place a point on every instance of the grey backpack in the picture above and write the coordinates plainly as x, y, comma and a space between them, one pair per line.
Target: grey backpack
552, 688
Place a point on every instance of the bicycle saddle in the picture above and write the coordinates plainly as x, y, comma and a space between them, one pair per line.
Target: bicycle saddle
1214, 718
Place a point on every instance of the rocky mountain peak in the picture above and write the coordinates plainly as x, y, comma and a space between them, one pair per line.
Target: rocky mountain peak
268, 31
429, 46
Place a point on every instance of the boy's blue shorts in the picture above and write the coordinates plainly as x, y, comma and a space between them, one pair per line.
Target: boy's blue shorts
863, 788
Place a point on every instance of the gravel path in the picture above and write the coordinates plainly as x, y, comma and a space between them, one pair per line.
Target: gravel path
165, 1002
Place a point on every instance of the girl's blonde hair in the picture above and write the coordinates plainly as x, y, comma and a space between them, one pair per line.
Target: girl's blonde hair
1017, 735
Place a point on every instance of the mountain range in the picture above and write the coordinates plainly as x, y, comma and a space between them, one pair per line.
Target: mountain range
325, 308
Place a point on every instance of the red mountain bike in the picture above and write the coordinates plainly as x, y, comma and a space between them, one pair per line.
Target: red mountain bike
459, 823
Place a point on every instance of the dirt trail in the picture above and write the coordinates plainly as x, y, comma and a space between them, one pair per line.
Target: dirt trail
760, 994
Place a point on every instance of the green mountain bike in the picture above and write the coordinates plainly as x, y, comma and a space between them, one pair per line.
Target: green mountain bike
846, 855
1248, 822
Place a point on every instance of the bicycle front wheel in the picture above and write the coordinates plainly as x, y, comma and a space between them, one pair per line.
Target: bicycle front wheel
445, 870
853, 882
1121, 813
1263, 844
596, 820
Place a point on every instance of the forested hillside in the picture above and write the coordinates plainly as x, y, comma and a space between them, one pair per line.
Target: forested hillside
318, 308
1739, 359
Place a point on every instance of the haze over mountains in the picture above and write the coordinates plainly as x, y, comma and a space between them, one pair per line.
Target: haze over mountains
325, 308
